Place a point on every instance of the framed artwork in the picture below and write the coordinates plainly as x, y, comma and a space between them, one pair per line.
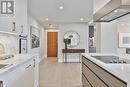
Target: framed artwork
124, 40
23, 45
35, 37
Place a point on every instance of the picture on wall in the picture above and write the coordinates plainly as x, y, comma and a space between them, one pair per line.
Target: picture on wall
35, 38
124, 40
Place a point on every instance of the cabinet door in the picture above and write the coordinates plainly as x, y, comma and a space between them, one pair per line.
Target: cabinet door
21, 16
105, 75
85, 82
6, 24
93, 79
22, 76
13, 78
36, 74
28, 78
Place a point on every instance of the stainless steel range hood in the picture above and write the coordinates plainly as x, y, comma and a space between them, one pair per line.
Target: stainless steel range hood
112, 10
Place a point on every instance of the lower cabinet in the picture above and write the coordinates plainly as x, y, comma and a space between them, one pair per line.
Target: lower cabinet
85, 81
92, 78
22, 76
28, 77
98, 77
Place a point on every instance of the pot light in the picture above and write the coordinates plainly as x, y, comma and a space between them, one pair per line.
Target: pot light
81, 19
61, 7
46, 19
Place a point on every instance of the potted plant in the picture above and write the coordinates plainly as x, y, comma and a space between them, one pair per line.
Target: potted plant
67, 41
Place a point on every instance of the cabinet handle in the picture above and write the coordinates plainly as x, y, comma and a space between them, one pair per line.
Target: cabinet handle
28, 66
13, 26
34, 62
1, 83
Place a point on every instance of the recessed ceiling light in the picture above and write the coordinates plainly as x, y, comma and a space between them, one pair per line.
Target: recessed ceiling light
61, 7
81, 19
115, 11
46, 19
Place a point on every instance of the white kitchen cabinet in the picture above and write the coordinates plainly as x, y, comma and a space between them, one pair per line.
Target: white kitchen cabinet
36, 73
21, 16
7, 24
28, 77
22, 76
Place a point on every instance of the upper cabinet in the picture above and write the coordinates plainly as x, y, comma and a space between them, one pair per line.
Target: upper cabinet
21, 16
16, 23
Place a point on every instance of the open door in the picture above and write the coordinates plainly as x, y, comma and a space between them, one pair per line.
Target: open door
52, 44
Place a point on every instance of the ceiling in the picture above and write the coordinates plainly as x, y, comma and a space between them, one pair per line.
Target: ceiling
98, 4
73, 10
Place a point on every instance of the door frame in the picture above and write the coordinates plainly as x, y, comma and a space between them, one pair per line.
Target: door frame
57, 38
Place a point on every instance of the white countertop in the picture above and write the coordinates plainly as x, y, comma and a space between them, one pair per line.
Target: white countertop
121, 71
14, 62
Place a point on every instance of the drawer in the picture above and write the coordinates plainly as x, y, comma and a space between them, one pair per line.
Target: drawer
92, 78
107, 77
85, 82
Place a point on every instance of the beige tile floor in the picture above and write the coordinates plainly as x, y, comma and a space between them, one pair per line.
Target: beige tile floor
53, 74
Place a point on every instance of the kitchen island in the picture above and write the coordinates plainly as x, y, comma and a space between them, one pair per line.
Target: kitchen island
20, 71
96, 73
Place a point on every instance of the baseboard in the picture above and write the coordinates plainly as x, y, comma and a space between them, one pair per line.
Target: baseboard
44, 56
60, 60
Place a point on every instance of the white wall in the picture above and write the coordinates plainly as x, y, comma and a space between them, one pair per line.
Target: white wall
108, 35
109, 39
123, 27
40, 50
82, 30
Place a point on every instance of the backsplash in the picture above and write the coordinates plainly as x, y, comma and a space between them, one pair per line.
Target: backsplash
10, 42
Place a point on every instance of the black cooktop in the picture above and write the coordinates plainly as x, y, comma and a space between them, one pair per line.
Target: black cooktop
112, 59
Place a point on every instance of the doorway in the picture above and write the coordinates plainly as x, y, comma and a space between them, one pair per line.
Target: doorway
52, 44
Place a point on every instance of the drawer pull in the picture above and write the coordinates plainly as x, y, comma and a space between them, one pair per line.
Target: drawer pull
28, 66
14, 25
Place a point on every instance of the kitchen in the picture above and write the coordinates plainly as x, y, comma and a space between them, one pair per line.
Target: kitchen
23, 44
17, 68
109, 67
